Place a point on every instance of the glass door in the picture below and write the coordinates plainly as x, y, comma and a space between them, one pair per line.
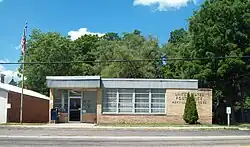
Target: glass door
75, 109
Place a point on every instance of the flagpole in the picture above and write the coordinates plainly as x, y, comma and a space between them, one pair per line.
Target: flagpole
23, 51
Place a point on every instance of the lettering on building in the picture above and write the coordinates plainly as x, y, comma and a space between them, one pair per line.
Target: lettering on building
180, 98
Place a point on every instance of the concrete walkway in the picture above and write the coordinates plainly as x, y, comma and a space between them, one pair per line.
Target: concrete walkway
94, 126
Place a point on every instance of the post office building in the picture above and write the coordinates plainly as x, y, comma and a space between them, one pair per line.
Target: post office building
92, 99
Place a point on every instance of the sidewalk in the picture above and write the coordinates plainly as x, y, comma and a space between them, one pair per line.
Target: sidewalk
94, 126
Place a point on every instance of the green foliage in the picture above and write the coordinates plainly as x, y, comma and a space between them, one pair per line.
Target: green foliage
132, 46
52, 47
221, 28
247, 103
46, 47
218, 28
190, 113
177, 35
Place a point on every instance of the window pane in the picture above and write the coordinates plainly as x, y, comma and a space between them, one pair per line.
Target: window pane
107, 100
126, 91
125, 105
145, 96
142, 110
110, 100
142, 100
142, 91
65, 94
111, 90
125, 110
57, 99
108, 105
111, 95
126, 96
74, 93
158, 96
157, 105
158, 91
126, 100
141, 105
158, 110
109, 109
158, 101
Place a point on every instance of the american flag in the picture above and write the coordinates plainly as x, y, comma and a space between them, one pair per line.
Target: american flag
23, 41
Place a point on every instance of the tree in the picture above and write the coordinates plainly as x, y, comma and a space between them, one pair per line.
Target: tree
177, 35
131, 46
46, 47
190, 112
111, 36
84, 49
221, 28
52, 47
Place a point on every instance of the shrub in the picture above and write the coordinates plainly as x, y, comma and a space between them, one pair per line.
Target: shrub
190, 113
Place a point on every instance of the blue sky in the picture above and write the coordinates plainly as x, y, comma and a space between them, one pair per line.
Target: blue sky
156, 17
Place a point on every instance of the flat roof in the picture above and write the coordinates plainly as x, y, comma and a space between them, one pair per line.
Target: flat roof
73, 77
98, 82
139, 79
113, 79
73, 81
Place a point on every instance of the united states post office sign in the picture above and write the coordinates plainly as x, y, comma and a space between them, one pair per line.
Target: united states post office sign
181, 97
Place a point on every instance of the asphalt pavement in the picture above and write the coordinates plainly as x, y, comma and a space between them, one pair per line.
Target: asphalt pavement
54, 137
115, 132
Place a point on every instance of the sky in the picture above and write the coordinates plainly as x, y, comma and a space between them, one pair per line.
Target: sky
79, 17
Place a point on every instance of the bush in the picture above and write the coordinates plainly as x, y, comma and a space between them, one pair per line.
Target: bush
190, 113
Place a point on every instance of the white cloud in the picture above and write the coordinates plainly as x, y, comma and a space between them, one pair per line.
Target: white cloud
4, 61
81, 32
164, 5
18, 47
9, 74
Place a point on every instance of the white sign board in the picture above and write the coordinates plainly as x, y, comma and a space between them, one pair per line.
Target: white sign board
8, 106
228, 110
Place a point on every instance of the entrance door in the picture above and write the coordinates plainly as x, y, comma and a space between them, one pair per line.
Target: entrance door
75, 109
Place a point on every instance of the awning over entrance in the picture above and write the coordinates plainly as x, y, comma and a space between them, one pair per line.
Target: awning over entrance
73, 81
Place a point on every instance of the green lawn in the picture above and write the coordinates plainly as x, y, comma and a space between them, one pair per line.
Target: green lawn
243, 125
158, 125
23, 124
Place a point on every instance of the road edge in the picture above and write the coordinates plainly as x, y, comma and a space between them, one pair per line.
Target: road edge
115, 127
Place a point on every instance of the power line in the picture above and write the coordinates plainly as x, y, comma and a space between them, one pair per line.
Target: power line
138, 60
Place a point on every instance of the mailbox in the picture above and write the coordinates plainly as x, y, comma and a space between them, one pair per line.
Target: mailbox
54, 114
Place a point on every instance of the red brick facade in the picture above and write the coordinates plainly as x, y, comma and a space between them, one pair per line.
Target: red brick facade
35, 110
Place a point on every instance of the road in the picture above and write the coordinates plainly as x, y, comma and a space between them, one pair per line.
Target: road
54, 137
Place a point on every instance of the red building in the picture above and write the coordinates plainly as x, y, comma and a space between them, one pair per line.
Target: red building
35, 105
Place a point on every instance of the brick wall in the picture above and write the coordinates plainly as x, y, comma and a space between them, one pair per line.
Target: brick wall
176, 100
175, 104
35, 110
89, 118
140, 119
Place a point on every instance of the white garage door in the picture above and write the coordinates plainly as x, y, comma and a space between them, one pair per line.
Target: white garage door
3, 110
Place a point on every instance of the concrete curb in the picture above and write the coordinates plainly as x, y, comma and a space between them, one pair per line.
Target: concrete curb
175, 128
90, 126
133, 138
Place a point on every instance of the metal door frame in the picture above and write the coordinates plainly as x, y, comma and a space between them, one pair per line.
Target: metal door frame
75, 97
